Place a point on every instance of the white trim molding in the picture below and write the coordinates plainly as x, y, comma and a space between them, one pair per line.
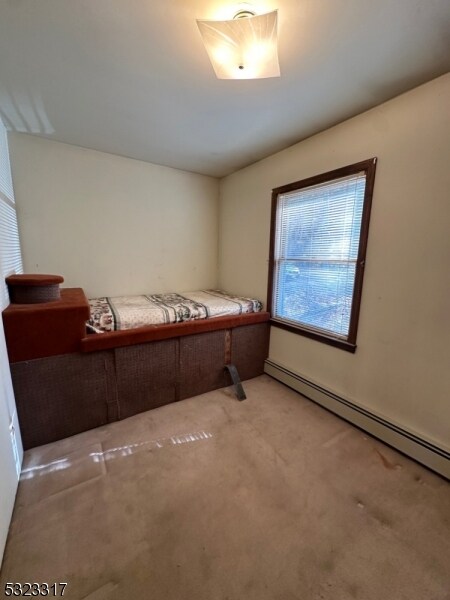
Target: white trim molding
421, 450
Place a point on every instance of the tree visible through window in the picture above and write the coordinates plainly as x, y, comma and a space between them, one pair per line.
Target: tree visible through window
318, 244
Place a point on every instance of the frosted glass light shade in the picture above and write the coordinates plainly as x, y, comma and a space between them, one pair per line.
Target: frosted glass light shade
243, 48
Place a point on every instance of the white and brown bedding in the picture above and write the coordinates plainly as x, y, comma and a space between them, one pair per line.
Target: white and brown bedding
129, 312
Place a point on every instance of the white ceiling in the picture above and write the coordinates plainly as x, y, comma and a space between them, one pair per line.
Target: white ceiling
132, 77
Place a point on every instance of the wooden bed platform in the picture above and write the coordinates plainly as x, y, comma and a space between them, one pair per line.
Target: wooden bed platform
66, 382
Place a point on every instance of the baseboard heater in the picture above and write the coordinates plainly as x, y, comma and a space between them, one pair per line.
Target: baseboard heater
408, 443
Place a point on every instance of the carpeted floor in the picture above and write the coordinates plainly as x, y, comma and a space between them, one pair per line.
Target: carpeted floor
212, 499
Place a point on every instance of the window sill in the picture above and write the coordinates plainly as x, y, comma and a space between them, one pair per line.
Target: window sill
319, 337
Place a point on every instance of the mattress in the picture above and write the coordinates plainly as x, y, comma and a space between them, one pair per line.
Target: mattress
130, 312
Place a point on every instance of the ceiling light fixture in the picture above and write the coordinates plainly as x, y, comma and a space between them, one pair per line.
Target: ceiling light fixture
244, 47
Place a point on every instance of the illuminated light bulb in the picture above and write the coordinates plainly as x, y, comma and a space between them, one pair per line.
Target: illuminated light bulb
242, 48
223, 55
257, 52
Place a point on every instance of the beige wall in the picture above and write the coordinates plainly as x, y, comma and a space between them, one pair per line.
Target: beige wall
113, 225
401, 367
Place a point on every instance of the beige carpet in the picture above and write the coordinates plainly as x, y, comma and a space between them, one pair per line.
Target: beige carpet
209, 498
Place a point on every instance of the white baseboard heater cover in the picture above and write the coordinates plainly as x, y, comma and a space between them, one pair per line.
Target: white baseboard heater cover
423, 451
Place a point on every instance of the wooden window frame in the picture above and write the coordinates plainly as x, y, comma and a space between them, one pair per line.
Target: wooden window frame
349, 344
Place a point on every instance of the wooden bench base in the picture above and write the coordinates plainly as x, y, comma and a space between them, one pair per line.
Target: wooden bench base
60, 396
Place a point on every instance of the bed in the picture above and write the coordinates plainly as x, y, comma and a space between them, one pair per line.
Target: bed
130, 312
67, 380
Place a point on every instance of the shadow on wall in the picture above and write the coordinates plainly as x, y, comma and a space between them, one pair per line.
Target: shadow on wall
24, 112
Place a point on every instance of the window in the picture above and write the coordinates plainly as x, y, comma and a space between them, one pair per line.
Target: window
317, 253
10, 257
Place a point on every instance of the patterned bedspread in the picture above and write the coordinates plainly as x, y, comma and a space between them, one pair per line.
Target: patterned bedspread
129, 312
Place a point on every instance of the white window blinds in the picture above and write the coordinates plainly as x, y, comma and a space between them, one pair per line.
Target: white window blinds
10, 256
316, 250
